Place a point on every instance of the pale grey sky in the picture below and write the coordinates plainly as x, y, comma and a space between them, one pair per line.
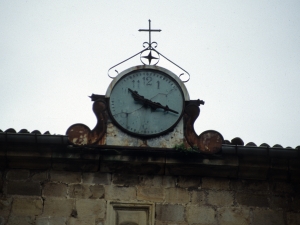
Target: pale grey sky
243, 58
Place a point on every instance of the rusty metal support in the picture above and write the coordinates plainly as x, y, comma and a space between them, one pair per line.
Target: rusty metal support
209, 141
80, 134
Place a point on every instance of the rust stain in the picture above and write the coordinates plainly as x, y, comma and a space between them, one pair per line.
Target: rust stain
209, 141
80, 134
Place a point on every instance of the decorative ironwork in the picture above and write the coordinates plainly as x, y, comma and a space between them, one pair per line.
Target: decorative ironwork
150, 54
149, 30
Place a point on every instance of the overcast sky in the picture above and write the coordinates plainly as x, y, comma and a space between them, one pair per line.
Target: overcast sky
243, 58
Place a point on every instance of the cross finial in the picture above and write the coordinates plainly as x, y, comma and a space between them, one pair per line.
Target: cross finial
149, 30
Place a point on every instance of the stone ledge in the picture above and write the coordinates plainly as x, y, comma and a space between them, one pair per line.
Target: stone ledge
149, 161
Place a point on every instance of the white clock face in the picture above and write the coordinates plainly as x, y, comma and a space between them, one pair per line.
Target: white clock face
146, 102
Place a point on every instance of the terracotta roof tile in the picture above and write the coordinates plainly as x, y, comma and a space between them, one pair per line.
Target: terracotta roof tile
251, 144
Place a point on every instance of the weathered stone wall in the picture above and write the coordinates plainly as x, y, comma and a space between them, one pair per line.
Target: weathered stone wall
115, 136
76, 198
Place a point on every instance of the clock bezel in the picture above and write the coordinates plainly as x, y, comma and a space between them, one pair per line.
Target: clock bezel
166, 72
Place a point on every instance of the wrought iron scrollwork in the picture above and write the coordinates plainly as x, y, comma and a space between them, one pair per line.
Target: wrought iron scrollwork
149, 47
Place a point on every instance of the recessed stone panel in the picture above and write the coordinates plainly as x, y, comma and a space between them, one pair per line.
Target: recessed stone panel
133, 213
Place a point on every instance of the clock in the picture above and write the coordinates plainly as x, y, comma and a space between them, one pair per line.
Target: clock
146, 100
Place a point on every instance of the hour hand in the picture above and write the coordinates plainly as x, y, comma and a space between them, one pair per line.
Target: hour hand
136, 95
147, 102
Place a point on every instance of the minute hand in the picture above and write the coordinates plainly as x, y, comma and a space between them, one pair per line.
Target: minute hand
155, 105
147, 102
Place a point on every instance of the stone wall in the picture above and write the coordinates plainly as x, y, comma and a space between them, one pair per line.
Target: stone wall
78, 198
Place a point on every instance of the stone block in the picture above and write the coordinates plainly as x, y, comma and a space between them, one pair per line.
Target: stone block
91, 208
170, 223
125, 180
27, 206
220, 198
50, 220
201, 215
17, 175
23, 188
2, 220
151, 180
283, 188
97, 178
40, 176
97, 191
279, 202
24, 220
215, 183
295, 203
5, 203
154, 194
233, 216
58, 207
169, 212
5, 207
79, 191
293, 218
198, 197
258, 187
55, 190
120, 193
252, 200
65, 177
267, 217
84, 191
82, 221
177, 195
189, 181
169, 181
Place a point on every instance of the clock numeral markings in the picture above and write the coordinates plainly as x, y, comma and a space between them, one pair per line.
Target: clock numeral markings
147, 80
135, 84
157, 84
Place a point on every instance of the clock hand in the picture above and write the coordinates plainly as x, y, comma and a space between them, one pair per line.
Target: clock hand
147, 102
155, 105
136, 95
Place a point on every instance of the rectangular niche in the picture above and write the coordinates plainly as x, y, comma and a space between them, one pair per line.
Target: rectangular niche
137, 213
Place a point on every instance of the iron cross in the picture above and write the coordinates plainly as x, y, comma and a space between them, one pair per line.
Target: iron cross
149, 30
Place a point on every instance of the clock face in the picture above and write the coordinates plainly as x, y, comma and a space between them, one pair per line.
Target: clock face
146, 102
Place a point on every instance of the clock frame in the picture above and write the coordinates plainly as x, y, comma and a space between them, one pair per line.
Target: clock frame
146, 101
